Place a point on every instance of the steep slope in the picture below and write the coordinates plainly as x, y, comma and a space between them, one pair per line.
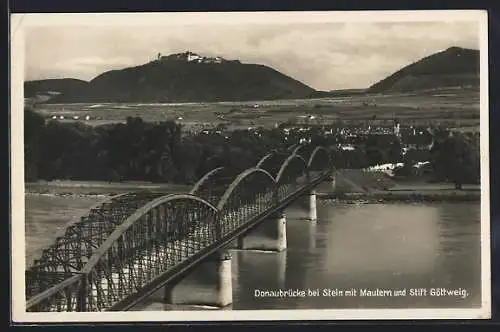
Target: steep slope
187, 77
452, 67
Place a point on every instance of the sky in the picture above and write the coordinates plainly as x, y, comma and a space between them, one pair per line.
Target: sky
325, 56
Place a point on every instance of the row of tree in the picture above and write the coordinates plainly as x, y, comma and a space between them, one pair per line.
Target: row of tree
456, 159
158, 152
135, 150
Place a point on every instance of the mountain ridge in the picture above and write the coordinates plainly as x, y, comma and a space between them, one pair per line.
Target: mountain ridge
197, 79
190, 77
47, 86
454, 66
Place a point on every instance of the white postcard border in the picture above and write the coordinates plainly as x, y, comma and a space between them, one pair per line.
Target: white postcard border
21, 21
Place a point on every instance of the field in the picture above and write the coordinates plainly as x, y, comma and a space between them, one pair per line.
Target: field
451, 107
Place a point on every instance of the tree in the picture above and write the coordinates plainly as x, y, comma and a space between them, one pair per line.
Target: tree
355, 159
33, 129
189, 161
456, 159
395, 154
61, 146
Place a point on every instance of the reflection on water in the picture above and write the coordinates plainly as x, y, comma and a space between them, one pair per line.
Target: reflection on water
386, 246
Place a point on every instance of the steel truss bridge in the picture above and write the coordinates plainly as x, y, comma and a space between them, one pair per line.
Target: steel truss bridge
133, 244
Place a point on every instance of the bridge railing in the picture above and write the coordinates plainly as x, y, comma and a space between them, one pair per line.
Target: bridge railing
154, 235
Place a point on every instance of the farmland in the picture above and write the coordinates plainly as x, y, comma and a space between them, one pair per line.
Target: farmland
450, 107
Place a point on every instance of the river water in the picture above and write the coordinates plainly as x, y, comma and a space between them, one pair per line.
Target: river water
393, 247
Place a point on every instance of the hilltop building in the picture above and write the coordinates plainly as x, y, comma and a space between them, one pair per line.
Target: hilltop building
189, 56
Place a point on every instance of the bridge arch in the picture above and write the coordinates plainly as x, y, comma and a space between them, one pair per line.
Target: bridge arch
263, 159
273, 163
214, 184
204, 179
251, 193
78, 218
292, 147
157, 237
291, 160
240, 179
67, 228
296, 148
319, 158
76, 243
304, 150
135, 217
143, 237
291, 175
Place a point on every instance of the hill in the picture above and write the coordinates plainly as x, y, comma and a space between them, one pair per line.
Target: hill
453, 67
52, 87
188, 77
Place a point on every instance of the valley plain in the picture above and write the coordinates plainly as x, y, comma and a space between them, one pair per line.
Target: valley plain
452, 107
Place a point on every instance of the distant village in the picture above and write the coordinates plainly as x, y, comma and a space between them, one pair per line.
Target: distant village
347, 137
356, 137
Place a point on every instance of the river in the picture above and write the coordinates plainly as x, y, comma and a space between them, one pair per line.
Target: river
351, 246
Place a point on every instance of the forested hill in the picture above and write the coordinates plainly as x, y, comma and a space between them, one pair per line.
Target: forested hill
453, 67
188, 77
49, 86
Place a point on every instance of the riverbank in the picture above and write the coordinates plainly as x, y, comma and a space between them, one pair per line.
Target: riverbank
351, 186
404, 197
357, 186
98, 188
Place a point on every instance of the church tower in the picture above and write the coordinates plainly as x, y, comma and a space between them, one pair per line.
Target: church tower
396, 129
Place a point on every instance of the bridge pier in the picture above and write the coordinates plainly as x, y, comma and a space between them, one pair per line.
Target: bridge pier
209, 284
240, 242
312, 206
313, 226
281, 242
270, 235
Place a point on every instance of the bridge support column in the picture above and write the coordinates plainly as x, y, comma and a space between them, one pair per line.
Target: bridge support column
225, 281
312, 206
271, 235
281, 232
240, 242
208, 284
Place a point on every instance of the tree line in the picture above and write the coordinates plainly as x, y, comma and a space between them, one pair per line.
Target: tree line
160, 152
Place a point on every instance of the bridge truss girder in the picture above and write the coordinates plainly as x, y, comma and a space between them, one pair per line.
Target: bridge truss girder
131, 240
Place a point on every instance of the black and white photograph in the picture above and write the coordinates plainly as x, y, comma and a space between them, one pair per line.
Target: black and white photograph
250, 166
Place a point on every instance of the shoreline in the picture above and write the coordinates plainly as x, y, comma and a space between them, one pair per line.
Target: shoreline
406, 197
349, 198
96, 188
